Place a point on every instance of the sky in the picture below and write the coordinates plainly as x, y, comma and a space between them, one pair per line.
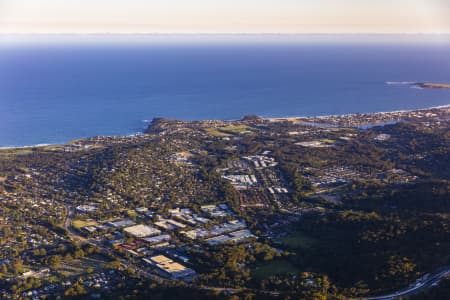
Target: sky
224, 16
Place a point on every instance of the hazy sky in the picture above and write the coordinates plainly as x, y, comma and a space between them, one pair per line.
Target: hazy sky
224, 16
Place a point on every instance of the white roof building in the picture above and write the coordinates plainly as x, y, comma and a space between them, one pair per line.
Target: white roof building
142, 230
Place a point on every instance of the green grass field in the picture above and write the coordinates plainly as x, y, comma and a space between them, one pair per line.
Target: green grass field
281, 266
235, 128
298, 240
77, 224
227, 131
216, 132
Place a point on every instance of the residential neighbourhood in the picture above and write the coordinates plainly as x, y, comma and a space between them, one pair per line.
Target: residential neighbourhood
236, 206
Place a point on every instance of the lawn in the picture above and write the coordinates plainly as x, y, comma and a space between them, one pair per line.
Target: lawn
216, 132
298, 240
236, 129
280, 266
227, 131
77, 224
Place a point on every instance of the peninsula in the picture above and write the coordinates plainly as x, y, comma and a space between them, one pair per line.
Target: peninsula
430, 85
421, 85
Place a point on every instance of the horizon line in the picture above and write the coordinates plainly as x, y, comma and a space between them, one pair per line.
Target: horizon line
227, 33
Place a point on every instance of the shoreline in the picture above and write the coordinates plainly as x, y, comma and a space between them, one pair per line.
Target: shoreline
354, 114
270, 119
420, 85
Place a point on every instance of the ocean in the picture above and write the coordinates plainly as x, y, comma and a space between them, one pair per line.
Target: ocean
56, 91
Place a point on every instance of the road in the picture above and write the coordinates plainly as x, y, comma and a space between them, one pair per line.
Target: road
420, 285
73, 234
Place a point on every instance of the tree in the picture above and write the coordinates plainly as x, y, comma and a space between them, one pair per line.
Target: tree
55, 260
17, 266
4, 269
75, 290
325, 287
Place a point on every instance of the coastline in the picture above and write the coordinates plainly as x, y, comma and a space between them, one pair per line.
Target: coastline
355, 114
270, 119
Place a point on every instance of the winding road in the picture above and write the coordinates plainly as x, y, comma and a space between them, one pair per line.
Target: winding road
423, 283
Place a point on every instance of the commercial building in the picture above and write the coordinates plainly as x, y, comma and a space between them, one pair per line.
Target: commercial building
142, 230
157, 239
168, 268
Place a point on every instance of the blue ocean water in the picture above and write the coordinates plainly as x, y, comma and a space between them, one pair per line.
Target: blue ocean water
55, 92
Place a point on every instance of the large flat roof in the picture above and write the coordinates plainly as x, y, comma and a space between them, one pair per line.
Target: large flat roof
159, 259
142, 230
176, 270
